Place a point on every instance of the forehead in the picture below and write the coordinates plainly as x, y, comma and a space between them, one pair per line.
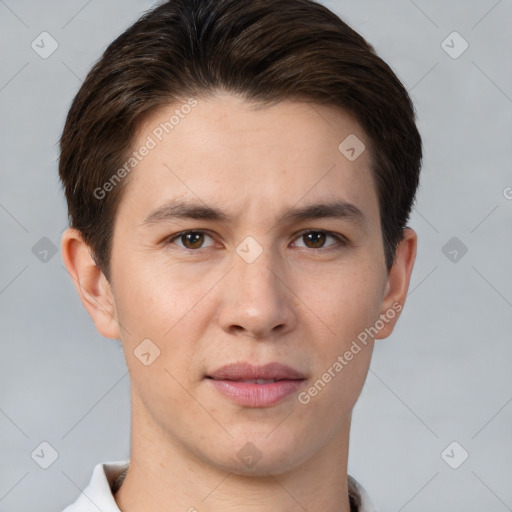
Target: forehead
251, 158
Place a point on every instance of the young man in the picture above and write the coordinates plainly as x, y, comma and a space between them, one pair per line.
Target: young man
239, 175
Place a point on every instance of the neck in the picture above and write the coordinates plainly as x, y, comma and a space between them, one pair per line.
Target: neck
164, 476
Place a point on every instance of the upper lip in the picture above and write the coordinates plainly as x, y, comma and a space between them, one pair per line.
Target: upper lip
246, 371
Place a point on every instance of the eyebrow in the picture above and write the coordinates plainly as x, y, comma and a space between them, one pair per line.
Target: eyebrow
182, 210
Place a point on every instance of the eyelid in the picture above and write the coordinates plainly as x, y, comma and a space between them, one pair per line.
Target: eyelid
170, 239
342, 241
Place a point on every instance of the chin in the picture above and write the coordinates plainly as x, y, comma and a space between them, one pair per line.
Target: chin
257, 456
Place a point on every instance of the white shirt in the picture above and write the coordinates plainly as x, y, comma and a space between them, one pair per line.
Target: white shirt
98, 495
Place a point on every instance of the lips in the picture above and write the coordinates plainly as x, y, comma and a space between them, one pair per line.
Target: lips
256, 386
246, 372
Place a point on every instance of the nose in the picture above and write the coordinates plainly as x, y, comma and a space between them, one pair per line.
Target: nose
257, 301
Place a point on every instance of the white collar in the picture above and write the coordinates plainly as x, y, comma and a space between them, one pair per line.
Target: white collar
98, 494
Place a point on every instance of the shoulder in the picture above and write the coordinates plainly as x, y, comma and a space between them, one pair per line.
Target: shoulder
98, 494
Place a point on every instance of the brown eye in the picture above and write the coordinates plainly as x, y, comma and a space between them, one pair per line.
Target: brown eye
190, 239
317, 239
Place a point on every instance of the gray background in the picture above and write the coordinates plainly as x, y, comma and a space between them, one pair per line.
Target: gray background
443, 376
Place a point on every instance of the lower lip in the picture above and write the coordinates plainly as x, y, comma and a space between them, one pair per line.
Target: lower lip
251, 394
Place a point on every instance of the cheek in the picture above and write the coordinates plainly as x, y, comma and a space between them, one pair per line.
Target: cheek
346, 300
172, 310
153, 300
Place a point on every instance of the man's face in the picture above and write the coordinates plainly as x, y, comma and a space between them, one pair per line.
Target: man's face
255, 287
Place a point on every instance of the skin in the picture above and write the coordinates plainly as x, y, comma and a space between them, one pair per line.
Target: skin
300, 303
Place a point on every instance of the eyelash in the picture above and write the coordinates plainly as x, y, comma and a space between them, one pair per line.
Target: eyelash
342, 241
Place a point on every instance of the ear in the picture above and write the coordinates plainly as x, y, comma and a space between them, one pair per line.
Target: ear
93, 288
397, 283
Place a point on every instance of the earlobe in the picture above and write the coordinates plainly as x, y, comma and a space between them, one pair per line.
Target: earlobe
397, 284
93, 288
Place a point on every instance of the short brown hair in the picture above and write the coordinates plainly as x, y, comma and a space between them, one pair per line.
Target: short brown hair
264, 50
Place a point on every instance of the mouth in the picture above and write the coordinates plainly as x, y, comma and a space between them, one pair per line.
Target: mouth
256, 386
252, 381
246, 372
